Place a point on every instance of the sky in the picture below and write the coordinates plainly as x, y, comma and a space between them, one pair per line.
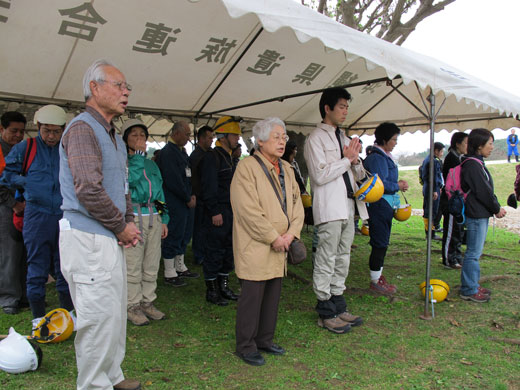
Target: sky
479, 37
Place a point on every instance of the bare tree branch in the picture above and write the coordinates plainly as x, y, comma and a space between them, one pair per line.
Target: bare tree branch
322, 7
382, 17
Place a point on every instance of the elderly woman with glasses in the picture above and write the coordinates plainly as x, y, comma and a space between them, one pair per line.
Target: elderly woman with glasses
262, 233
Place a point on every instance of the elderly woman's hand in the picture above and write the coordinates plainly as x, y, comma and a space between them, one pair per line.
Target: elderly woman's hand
278, 245
288, 238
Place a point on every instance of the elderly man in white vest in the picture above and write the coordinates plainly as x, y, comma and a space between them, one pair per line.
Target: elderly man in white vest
97, 222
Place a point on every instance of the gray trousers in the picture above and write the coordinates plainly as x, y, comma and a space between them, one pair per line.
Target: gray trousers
12, 262
332, 259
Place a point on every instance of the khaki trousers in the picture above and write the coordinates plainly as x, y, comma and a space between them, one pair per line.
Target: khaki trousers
332, 259
94, 266
142, 263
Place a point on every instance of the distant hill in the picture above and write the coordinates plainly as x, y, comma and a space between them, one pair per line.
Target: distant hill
499, 153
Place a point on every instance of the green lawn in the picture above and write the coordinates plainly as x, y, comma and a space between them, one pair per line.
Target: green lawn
466, 346
503, 177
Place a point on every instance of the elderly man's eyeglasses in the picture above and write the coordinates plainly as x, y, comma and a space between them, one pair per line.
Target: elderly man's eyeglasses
122, 85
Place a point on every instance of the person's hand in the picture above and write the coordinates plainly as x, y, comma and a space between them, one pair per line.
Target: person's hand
288, 239
192, 203
141, 145
352, 150
435, 195
501, 213
130, 236
164, 231
217, 220
278, 245
403, 185
18, 208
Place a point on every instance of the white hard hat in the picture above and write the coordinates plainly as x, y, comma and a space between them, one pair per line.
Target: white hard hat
18, 355
50, 115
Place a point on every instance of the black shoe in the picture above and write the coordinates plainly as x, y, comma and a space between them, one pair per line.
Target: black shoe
225, 291
188, 274
213, 294
10, 309
253, 358
453, 266
273, 349
175, 282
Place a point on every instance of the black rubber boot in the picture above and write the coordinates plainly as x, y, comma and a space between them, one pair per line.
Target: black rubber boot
65, 301
225, 291
213, 294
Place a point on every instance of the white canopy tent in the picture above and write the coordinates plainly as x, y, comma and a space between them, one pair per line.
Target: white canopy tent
198, 59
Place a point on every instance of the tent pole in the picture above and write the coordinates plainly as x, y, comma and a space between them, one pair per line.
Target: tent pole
426, 315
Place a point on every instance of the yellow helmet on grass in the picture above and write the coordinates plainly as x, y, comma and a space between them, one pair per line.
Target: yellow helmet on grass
440, 289
371, 190
56, 326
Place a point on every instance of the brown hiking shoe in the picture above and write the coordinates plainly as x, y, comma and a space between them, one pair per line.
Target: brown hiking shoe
136, 316
128, 384
350, 318
382, 287
334, 325
151, 311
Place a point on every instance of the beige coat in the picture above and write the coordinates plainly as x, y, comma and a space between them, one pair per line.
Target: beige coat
258, 219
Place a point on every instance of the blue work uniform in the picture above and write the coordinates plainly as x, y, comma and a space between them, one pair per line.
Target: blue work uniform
176, 173
217, 169
42, 212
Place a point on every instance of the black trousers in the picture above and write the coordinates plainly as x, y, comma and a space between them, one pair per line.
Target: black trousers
257, 313
218, 245
452, 236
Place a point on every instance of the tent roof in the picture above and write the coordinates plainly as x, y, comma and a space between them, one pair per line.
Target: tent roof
200, 59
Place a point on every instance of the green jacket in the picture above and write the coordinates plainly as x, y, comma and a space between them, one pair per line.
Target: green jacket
145, 181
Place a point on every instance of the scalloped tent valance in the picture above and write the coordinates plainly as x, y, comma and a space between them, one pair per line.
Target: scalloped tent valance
200, 59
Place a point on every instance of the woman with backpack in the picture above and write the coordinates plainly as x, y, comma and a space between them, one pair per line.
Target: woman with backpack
481, 203
452, 231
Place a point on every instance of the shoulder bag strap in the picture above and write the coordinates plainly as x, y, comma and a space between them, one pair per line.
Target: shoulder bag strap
272, 183
30, 152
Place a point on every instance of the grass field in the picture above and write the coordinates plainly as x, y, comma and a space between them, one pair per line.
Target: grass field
466, 346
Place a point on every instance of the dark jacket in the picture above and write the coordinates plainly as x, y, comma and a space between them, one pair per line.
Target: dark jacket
438, 181
517, 182
481, 201
195, 158
176, 174
217, 169
6, 193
